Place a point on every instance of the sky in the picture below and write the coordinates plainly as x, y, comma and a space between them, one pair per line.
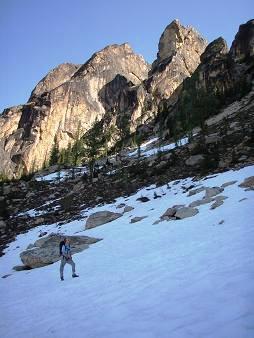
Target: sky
36, 36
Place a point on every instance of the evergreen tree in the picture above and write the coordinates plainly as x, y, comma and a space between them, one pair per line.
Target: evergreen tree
77, 147
54, 154
93, 145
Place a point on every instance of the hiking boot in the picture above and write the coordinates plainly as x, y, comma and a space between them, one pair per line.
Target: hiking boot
62, 278
74, 275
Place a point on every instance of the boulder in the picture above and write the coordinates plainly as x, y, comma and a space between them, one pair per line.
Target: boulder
194, 160
219, 200
226, 184
101, 217
186, 212
196, 191
211, 192
170, 212
137, 219
46, 250
216, 204
197, 203
213, 138
121, 205
143, 199
157, 222
127, 208
248, 182
38, 221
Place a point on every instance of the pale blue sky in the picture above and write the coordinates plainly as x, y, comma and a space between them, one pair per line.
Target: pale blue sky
38, 35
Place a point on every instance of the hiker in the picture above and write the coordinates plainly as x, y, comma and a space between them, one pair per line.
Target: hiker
65, 250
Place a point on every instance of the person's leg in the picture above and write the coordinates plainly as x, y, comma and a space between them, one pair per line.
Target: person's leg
70, 261
63, 262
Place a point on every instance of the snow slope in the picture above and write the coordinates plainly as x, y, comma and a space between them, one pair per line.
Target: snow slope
177, 279
147, 151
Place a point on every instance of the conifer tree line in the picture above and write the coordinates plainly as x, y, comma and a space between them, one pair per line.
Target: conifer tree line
94, 144
196, 104
87, 147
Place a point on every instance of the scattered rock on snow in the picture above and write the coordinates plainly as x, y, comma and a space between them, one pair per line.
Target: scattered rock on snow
120, 206
21, 268
170, 212
143, 199
248, 183
211, 192
46, 250
221, 222
243, 199
226, 184
101, 217
137, 219
197, 203
196, 191
219, 200
44, 233
186, 212
127, 208
157, 222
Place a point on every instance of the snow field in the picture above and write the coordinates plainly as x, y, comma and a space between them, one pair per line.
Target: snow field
177, 279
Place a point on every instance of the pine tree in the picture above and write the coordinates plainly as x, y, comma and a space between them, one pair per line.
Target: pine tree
93, 145
54, 154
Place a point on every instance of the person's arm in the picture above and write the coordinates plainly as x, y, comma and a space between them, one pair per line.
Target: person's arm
64, 252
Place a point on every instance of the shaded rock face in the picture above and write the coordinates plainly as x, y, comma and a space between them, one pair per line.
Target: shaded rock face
222, 70
46, 250
68, 97
243, 45
223, 76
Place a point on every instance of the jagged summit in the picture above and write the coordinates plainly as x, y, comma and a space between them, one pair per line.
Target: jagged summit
175, 38
55, 78
113, 56
178, 56
214, 50
243, 44
119, 85
65, 98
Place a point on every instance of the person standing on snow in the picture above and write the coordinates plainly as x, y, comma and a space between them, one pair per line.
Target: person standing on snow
66, 258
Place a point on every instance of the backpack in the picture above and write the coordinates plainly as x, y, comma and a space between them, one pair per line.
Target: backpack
60, 247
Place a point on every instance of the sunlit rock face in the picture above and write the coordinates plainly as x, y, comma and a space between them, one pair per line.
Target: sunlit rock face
66, 98
177, 58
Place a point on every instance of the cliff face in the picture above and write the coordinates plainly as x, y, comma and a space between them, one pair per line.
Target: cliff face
177, 58
222, 77
54, 78
68, 97
114, 85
